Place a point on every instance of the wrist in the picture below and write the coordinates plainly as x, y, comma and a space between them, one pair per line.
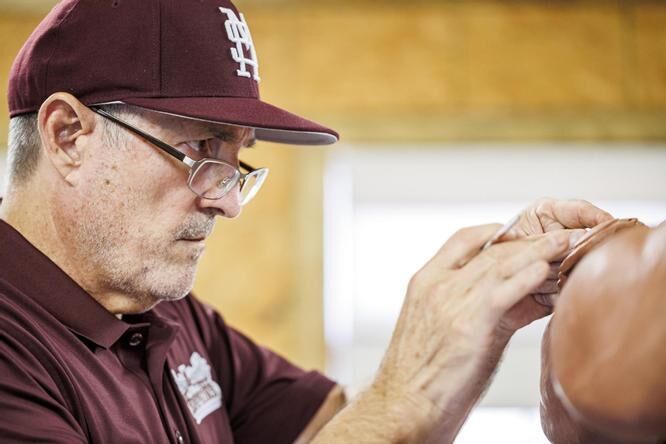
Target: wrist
377, 416
501, 337
411, 415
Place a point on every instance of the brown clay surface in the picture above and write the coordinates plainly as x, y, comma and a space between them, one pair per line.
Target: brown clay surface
608, 335
589, 241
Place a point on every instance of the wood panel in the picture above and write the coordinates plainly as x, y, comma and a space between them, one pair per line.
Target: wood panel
14, 30
457, 71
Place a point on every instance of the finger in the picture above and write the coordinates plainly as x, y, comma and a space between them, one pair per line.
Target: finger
547, 300
547, 248
509, 292
463, 245
549, 286
578, 213
575, 235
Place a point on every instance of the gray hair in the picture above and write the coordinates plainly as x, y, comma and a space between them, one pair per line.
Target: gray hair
24, 143
23, 148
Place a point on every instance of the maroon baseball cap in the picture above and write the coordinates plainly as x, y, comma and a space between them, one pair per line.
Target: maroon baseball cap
190, 58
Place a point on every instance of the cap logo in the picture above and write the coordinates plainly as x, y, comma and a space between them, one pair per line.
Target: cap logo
239, 34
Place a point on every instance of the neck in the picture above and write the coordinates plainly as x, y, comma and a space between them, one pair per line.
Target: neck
29, 218
37, 219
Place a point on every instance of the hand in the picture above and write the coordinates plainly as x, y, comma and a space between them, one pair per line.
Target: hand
544, 216
438, 356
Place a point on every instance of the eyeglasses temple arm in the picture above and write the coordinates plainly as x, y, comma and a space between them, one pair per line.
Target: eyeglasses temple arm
246, 166
166, 147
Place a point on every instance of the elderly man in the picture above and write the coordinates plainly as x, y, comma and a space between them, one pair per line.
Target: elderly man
127, 122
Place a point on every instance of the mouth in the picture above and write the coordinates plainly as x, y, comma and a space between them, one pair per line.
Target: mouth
195, 232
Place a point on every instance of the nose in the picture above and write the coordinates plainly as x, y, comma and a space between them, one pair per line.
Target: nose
227, 206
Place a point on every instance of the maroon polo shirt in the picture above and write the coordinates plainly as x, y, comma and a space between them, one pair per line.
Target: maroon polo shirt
71, 372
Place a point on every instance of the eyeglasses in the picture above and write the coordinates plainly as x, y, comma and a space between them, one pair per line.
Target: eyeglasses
209, 178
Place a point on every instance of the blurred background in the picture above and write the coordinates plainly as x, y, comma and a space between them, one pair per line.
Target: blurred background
451, 113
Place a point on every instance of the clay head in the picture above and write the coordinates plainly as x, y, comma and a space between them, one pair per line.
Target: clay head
608, 344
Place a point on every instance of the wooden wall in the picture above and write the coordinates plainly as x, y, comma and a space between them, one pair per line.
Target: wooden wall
14, 30
453, 70
388, 71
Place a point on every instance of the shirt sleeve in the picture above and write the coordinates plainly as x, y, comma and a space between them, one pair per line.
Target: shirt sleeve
268, 399
31, 410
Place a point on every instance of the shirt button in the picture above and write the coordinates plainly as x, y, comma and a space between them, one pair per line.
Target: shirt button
179, 437
136, 339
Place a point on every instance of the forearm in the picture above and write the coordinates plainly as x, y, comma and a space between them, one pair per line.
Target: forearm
335, 401
374, 416
467, 396
381, 416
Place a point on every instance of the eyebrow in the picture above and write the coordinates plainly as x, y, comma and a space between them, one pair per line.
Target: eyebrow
228, 136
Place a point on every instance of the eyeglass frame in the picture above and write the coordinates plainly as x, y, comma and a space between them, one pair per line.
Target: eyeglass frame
192, 164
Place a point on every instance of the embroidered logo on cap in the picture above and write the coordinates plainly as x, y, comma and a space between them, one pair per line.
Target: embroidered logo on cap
239, 34
203, 395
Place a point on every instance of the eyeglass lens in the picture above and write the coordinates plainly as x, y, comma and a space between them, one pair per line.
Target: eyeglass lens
251, 185
213, 180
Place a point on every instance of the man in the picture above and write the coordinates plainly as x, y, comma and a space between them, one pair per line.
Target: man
127, 123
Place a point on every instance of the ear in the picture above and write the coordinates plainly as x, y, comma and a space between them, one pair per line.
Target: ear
64, 124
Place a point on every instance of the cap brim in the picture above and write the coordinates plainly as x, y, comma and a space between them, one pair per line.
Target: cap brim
271, 123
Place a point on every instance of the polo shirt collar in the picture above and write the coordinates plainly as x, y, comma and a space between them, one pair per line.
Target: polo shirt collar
32, 273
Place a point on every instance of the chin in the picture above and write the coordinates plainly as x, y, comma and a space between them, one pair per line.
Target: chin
173, 296
160, 277
171, 285
172, 292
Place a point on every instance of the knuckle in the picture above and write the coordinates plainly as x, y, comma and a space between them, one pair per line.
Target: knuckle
463, 234
417, 280
561, 238
421, 280
544, 204
554, 241
542, 201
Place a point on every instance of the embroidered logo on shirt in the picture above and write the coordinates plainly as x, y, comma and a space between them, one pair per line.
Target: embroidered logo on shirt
239, 34
203, 395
